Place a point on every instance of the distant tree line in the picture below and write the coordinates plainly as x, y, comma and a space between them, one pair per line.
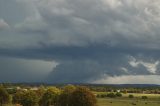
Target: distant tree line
110, 95
105, 88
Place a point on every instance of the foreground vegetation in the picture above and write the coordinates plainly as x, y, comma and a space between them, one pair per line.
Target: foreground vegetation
50, 96
78, 96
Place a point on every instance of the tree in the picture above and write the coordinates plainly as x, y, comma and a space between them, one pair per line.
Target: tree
69, 88
4, 96
82, 96
65, 95
40, 91
29, 98
50, 97
17, 97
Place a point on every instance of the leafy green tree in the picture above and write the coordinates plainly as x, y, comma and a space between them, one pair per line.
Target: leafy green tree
69, 88
65, 95
82, 96
4, 96
17, 97
50, 97
29, 98
41, 90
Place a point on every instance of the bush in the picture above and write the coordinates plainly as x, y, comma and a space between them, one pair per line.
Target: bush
103, 95
144, 97
111, 95
118, 94
131, 96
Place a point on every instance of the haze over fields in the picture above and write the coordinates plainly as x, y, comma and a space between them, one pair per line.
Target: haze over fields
80, 41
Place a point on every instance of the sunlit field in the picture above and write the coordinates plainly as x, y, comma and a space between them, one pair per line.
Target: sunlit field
153, 100
127, 102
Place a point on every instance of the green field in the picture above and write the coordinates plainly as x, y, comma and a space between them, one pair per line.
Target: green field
153, 100
126, 102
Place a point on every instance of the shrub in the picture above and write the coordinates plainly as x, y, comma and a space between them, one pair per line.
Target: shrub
111, 95
118, 94
144, 97
103, 95
131, 96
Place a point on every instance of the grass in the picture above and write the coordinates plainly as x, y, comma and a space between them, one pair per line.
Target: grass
153, 100
126, 102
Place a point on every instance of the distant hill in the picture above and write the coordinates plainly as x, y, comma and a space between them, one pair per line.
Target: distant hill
128, 85
87, 84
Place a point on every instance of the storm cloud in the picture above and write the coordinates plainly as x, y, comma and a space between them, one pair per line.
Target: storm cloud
88, 41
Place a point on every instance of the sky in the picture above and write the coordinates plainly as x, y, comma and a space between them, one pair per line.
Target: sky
80, 41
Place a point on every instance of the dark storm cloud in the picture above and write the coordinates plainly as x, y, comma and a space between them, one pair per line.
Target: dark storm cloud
85, 64
24, 70
89, 39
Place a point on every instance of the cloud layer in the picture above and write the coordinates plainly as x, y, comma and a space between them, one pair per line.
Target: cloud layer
3, 24
90, 40
130, 79
24, 70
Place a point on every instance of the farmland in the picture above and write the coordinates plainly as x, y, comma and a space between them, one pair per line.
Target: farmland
153, 100
126, 102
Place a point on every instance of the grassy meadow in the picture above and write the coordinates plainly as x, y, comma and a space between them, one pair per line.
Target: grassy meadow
153, 100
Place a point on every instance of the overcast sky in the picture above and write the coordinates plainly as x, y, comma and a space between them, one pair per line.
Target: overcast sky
80, 41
